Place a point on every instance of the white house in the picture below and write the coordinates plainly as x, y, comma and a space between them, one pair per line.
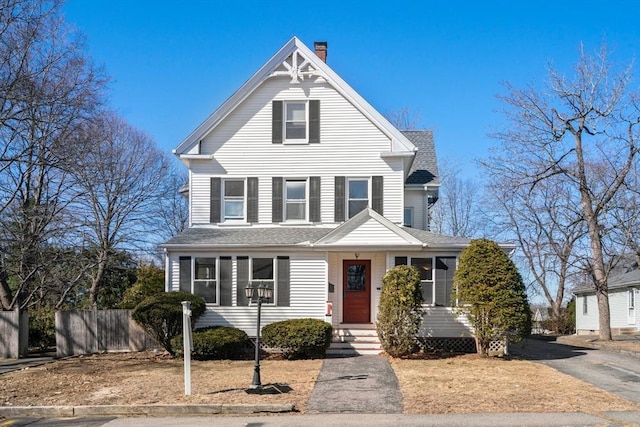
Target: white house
297, 182
624, 294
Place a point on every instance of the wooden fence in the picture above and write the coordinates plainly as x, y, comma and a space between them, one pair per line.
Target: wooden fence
95, 331
14, 334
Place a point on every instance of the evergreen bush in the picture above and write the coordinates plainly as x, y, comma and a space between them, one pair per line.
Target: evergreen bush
215, 343
149, 281
400, 310
490, 292
299, 338
161, 315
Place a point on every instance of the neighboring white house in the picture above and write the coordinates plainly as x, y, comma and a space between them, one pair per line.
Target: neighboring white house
297, 182
624, 296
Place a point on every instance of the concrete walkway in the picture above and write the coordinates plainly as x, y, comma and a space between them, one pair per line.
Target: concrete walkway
363, 384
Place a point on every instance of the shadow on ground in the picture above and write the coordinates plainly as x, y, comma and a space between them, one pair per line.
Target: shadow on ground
545, 349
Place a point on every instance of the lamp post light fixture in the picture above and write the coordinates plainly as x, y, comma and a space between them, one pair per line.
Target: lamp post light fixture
258, 293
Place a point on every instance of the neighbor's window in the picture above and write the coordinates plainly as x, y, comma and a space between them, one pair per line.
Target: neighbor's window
295, 121
295, 199
585, 309
233, 203
205, 281
358, 196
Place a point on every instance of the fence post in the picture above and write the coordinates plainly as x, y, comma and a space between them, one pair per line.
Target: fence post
187, 343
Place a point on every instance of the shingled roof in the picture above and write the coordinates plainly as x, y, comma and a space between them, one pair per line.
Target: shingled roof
424, 169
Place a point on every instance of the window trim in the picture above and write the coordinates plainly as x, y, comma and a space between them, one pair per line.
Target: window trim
348, 199
285, 105
223, 200
194, 272
285, 200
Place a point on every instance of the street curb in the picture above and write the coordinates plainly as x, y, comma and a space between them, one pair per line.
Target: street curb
158, 410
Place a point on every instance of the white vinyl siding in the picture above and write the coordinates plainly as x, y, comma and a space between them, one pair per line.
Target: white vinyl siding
349, 145
308, 292
415, 200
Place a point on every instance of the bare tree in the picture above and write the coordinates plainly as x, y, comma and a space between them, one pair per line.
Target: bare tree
565, 131
119, 182
547, 224
404, 119
457, 212
47, 89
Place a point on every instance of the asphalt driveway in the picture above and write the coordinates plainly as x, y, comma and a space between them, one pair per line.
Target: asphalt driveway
614, 372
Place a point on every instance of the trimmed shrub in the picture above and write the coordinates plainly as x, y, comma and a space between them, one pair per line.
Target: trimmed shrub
215, 343
491, 294
161, 315
149, 281
299, 338
400, 310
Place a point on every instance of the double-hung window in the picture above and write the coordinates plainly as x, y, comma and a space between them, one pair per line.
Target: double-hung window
408, 217
295, 200
263, 273
295, 121
358, 195
425, 268
205, 280
233, 203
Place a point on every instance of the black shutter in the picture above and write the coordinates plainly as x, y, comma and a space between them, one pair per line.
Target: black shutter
377, 188
314, 121
185, 273
339, 199
445, 268
314, 199
252, 199
276, 123
401, 260
243, 281
276, 192
226, 282
284, 281
215, 202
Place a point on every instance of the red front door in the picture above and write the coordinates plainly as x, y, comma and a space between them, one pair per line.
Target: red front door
356, 292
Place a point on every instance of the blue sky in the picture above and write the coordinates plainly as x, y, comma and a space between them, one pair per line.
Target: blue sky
173, 63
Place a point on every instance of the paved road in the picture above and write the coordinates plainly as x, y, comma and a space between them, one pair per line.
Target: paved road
353, 420
614, 372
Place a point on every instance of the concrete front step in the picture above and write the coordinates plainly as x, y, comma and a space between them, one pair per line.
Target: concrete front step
354, 340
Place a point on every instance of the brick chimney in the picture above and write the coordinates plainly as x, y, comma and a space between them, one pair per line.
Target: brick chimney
321, 50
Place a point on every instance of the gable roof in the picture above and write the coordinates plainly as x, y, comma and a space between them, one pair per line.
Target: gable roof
399, 143
424, 169
368, 226
620, 281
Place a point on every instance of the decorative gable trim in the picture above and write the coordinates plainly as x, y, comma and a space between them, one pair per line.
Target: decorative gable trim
295, 49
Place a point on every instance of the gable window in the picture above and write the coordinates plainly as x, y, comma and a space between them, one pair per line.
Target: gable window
205, 281
357, 196
295, 121
233, 203
295, 200
408, 217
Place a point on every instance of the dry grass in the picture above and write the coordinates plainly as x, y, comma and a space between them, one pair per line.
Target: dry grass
470, 384
143, 378
454, 385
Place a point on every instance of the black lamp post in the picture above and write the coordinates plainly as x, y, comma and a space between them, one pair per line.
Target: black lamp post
259, 294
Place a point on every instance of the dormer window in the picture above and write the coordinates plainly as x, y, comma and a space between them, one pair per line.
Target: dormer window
295, 125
